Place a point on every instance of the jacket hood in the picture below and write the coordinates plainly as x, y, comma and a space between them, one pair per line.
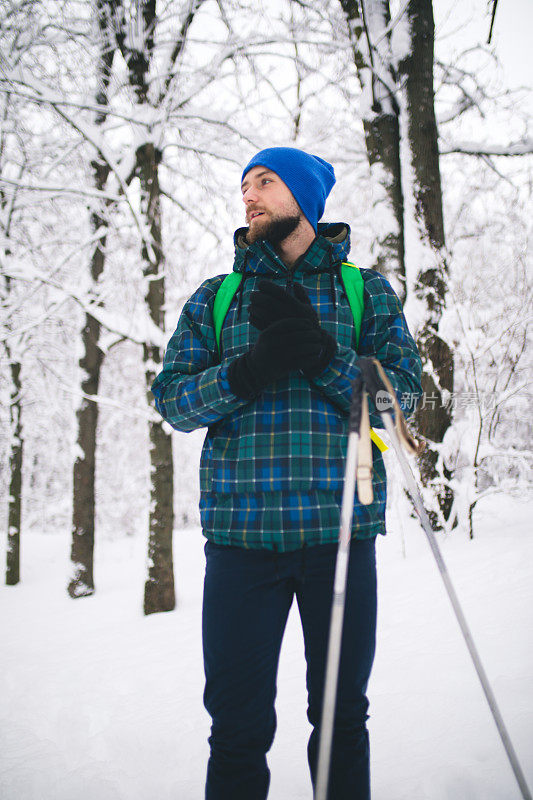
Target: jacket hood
330, 246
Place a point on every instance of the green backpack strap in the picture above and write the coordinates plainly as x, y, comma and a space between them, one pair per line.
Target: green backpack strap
351, 278
224, 296
354, 287
353, 284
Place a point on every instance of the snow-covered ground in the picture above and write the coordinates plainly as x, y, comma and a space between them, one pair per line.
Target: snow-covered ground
101, 703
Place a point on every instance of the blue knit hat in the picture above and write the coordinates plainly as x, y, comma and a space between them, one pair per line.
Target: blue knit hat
309, 177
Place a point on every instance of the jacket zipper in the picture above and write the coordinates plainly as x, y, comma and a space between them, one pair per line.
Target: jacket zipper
290, 282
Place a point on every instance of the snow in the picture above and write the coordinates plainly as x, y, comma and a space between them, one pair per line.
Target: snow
99, 701
401, 37
515, 149
140, 329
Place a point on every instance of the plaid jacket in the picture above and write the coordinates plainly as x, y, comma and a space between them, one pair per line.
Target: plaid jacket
272, 469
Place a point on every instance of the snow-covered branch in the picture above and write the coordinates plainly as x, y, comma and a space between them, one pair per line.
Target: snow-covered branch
523, 148
9, 87
138, 329
146, 414
93, 136
60, 190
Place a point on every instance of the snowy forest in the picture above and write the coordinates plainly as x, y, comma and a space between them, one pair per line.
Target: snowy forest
124, 128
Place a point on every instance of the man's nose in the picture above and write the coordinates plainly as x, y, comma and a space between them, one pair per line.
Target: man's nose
249, 195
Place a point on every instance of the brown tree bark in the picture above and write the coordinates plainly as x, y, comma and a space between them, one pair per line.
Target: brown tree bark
81, 582
373, 57
16, 440
434, 416
159, 593
15, 475
382, 133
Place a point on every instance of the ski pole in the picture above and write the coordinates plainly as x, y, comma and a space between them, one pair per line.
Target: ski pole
426, 525
376, 380
339, 596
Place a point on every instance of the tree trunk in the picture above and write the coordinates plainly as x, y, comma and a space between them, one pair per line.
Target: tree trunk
81, 582
159, 592
16, 443
159, 587
433, 416
15, 480
373, 60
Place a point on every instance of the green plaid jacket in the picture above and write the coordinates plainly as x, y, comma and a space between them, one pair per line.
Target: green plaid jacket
272, 469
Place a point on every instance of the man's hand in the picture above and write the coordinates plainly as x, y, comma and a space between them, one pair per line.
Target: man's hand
271, 304
285, 346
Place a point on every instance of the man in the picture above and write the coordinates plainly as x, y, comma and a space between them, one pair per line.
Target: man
275, 400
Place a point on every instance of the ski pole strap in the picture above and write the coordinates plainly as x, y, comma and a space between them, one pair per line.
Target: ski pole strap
382, 393
364, 456
359, 423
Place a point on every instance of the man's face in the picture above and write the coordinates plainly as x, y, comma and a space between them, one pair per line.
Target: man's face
272, 213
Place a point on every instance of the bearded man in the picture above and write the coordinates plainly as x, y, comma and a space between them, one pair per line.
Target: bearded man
275, 394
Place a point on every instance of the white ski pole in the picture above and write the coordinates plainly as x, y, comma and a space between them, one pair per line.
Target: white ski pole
377, 384
339, 597
416, 497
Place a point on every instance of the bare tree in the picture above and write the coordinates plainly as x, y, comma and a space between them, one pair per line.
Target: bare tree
398, 92
369, 32
83, 504
141, 160
157, 99
14, 342
434, 416
139, 53
13, 346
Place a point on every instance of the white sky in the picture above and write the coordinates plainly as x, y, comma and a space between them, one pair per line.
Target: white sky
512, 37
468, 21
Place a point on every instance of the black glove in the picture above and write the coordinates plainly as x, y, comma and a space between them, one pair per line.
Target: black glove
272, 303
285, 346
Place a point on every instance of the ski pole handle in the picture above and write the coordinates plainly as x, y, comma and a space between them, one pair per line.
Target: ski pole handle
356, 405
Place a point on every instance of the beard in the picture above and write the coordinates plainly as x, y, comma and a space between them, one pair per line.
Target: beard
274, 230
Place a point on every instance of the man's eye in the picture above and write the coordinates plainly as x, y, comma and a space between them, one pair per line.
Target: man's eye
267, 180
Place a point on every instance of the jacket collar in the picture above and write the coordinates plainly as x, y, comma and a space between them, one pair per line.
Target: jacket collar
331, 244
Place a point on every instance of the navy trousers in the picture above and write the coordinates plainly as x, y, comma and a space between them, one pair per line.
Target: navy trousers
247, 597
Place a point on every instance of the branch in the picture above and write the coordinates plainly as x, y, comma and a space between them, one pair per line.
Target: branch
494, 4
382, 73
91, 135
149, 414
11, 88
179, 46
198, 220
523, 148
80, 247
59, 190
140, 331
220, 122
203, 152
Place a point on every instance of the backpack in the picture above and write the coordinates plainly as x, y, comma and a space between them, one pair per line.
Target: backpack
353, 285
